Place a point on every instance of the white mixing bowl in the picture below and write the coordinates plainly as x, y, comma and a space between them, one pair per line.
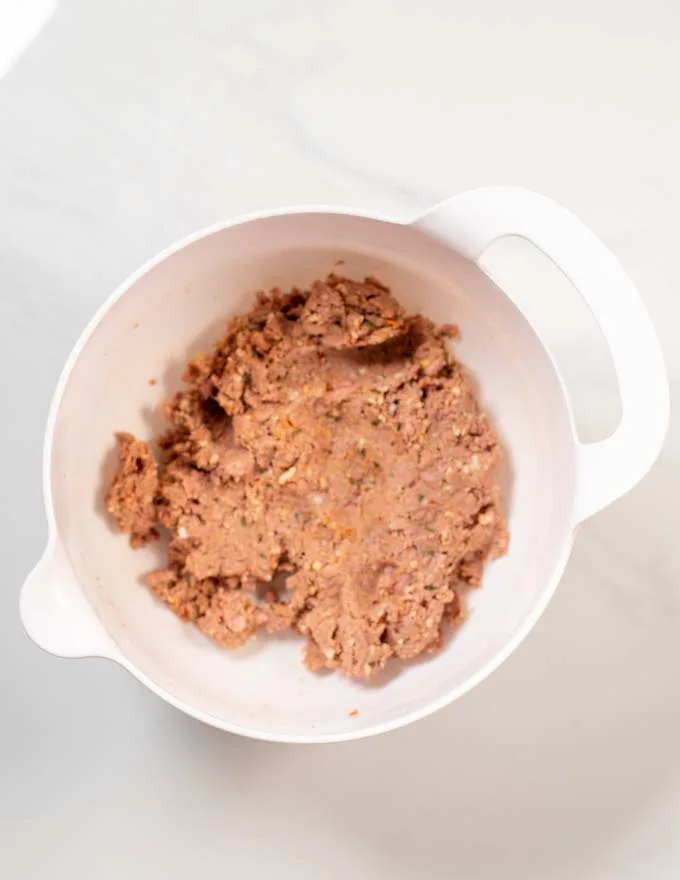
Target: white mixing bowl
84, 597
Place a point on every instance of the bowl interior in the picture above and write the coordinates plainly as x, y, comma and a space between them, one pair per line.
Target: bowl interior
132, 361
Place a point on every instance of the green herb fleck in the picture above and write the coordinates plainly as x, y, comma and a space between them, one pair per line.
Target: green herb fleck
370, 324
430, 587
428, 552
243, 522
421, 498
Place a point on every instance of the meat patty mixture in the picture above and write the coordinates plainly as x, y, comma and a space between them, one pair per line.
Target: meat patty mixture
331, 438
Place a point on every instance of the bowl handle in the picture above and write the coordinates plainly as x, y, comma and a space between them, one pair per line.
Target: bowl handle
472, 221
56, 614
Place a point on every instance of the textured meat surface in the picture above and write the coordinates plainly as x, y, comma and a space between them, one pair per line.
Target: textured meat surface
331, 438
132, 493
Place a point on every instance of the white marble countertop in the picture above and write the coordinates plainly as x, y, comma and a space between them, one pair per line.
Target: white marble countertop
129, 124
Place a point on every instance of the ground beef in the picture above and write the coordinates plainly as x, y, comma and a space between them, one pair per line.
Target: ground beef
328, 469
132, 493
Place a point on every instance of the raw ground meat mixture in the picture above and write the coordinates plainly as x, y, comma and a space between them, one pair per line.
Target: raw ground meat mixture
331, 438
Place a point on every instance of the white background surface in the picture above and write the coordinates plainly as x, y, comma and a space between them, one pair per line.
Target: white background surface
129, 124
